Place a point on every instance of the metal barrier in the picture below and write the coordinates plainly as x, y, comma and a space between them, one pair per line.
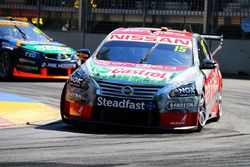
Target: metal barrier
228, 17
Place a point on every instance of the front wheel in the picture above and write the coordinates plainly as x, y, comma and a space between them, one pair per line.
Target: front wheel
64, 119
201, 113
6, 65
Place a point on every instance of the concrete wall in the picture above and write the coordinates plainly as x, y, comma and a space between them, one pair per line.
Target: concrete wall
234, 58
75, 39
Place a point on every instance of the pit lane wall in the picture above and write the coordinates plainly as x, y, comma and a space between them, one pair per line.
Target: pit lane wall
234, 58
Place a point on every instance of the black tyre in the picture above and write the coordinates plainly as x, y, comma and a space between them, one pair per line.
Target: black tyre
63, 116
219, 112
202, 113
6, 65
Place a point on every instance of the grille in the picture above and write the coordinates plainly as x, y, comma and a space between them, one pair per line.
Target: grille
59, 56
139, 91
129, 117
57, 72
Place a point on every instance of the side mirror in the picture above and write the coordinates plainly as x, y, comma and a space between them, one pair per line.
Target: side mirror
208, 64
83, 54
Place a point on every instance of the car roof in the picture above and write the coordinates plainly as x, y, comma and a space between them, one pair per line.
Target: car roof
12, 22
3, 19
162, 32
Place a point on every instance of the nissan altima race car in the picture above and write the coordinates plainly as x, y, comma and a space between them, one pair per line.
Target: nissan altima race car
25, 51
147, 77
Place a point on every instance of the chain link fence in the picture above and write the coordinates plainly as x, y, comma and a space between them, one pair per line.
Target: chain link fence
228, 17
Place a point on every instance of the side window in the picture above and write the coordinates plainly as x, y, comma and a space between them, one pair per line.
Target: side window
203, 50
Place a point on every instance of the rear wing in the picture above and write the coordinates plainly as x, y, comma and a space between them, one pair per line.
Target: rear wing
214, 37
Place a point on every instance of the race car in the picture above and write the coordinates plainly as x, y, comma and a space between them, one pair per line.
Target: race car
25, 51
147, 77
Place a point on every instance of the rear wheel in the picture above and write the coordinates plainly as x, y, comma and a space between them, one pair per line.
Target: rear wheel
219, 112
202, 114
6, 65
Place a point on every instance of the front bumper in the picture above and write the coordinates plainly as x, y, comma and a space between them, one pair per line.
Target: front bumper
43, 74
46, 69
169, 120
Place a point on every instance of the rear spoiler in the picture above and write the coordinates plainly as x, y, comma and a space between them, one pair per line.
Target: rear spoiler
214, 37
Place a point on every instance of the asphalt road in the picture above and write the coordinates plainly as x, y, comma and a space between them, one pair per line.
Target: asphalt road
226, 143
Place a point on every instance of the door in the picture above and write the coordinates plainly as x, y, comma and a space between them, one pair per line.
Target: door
211, 76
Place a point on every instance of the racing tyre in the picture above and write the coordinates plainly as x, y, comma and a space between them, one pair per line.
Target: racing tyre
6, 65
201, 113
219, 112
64, 119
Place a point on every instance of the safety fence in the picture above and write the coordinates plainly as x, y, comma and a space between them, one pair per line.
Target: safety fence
228, 17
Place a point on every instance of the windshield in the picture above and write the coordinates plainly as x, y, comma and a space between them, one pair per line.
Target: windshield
151, 53
12, 30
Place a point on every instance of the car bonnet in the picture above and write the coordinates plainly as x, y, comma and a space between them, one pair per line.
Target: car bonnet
44, 46
131, 72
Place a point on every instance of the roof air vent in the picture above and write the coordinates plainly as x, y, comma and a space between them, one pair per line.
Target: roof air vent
164, 29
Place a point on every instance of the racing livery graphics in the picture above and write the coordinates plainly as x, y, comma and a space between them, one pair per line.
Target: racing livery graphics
147, 77
25, 51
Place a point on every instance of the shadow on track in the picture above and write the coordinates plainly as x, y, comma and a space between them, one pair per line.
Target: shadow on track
89, 128
58, 164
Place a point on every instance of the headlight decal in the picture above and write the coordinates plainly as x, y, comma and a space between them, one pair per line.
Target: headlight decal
77, 94
76, 81
184, 91
81, 87
182, 104
178, 97
31, 54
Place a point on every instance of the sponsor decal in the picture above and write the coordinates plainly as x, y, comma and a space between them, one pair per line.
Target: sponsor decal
173, 105
132, 74
161, 75
29, 68
150, 106
66, 65
186, 91
149, 66
48, 47
144, 38
122, 104
43, 64
78, 95
178, 119
30, 54
55, 65
182, 122
75, 81
156, 32
23, 60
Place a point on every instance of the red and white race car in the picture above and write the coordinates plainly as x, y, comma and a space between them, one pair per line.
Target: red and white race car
146, 77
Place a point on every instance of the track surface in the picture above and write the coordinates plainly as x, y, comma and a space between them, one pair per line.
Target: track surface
226, 143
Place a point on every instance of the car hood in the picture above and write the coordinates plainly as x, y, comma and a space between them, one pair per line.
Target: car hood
49, 47
138, 73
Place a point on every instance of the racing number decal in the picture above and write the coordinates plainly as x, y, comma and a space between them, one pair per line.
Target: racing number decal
182, 49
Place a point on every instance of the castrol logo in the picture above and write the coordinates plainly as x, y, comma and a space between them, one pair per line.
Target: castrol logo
144, 73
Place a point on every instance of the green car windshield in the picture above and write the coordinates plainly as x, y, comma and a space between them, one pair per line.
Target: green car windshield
21, 30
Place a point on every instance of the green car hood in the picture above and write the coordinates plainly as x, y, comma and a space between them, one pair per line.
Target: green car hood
130, 72
47, 47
